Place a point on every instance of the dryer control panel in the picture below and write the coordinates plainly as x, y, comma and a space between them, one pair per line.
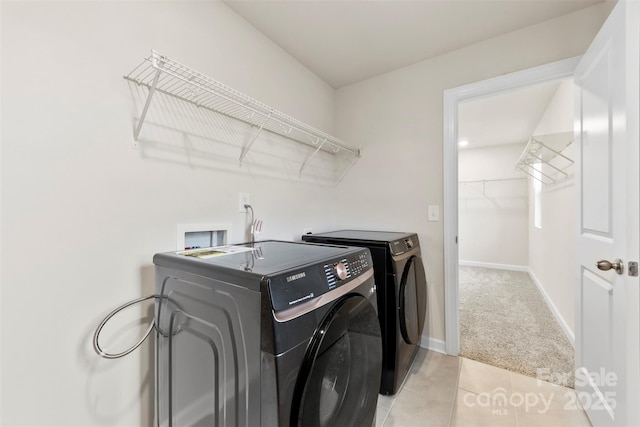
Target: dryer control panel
398, 247
299, 286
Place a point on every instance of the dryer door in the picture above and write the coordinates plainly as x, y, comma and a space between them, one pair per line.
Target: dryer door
340, 375
412, 300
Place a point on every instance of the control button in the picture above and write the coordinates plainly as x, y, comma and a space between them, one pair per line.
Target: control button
341, 271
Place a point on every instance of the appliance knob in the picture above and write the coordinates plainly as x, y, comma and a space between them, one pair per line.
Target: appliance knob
341, 271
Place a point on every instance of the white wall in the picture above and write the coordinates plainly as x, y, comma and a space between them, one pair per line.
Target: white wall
494, 215
551, 248
83, 213
397, 117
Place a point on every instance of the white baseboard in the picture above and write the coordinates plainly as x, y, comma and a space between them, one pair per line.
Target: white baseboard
556, 313
511, 267
432, 344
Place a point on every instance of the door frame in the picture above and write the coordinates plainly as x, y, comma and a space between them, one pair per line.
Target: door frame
451, 98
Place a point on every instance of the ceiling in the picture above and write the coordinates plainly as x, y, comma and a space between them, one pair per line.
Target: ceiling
507, 118
347, 41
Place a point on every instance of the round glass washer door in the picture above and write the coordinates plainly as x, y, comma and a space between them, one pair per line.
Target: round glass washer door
339, 378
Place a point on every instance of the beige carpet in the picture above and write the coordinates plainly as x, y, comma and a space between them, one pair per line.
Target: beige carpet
505, 322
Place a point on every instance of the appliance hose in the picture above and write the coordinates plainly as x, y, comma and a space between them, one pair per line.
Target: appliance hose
96, 335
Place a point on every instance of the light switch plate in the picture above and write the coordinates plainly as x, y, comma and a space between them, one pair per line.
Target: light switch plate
433, 213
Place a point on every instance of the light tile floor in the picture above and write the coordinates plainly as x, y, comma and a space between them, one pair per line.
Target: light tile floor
447, 391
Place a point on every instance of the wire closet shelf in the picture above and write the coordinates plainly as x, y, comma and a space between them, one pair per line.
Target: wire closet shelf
543, 158
161, 74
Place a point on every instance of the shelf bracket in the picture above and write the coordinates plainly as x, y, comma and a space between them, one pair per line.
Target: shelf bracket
304, 165
544, 162
524, 168
247, 147
353, 162
152, 90
557, 153
551, 180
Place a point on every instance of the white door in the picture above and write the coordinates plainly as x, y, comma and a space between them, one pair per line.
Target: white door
607, 182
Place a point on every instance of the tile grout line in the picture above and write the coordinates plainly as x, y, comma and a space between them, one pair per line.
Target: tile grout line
515, 410
393, 401
455, 393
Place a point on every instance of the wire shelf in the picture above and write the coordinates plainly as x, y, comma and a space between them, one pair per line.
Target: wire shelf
543, 158
158, 73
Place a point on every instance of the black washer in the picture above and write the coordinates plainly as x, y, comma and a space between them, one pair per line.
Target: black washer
271, 333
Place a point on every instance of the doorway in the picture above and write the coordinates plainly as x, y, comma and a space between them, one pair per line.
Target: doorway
515, 169
452, 99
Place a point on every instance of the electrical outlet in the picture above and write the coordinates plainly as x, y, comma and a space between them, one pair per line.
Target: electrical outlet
243, 199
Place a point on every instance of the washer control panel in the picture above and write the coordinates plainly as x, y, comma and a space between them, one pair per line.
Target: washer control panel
301, 285
346, 268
